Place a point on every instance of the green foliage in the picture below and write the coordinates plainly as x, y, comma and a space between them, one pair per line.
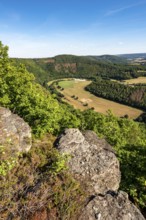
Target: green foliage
7, 161
142, 118
118, 131
133, 163
59, 164
20, 93
70, 118
6, 166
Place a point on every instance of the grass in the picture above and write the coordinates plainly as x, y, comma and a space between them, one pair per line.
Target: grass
62, 82
67, 84
50, 82
135, 81
76, 88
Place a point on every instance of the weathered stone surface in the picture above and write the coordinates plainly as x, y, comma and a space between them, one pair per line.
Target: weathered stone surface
92, 160
15, 133
111, 206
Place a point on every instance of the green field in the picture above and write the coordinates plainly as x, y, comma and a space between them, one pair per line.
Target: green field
87, 100
67, 84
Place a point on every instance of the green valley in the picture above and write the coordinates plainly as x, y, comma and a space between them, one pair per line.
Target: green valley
43, 167
75, 94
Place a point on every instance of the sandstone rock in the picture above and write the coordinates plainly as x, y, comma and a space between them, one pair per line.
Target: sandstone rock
92, 160
111, 206
15, 133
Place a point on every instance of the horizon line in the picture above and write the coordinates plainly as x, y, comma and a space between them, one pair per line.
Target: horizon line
77, 55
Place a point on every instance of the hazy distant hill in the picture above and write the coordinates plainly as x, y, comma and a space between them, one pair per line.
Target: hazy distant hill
110, 58
83, 59
133, 56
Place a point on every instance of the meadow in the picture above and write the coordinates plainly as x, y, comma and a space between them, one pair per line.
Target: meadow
75, 94
136, 80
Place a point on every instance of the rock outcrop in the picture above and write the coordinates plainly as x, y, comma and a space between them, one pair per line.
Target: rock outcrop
15, 133
66, 67
94, 163
92, 160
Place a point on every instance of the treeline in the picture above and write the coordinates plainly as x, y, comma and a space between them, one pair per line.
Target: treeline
141, 118
20, 93
125, 94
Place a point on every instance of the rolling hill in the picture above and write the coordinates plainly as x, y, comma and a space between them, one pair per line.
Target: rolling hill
89, 67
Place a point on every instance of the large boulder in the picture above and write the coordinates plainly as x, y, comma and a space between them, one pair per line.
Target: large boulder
92, 160
94, 163
15, 133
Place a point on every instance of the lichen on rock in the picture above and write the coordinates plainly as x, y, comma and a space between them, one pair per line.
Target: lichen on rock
15, 133
92, 160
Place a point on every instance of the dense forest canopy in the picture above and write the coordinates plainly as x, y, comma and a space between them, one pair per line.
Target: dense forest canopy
20, 92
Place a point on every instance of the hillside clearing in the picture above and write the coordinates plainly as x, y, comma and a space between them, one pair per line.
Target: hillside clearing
83, 100
136, 80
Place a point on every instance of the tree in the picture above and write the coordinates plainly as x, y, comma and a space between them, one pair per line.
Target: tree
20, 93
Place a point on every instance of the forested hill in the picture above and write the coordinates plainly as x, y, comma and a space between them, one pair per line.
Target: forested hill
62, 66
111, 59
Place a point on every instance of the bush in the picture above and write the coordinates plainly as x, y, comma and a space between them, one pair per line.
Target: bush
40, 182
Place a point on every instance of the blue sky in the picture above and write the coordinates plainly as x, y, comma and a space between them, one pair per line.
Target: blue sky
33, 28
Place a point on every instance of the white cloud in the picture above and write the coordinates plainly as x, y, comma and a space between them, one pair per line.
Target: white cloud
117, 10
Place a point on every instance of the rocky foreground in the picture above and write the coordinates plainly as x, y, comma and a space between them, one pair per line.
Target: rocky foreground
95, 164
92, 162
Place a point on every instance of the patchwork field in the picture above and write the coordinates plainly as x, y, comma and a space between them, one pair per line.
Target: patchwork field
76, 95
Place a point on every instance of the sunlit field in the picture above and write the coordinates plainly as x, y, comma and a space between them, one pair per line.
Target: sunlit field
76, 95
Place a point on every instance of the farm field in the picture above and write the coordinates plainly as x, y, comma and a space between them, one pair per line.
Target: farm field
86, 100
136, 80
